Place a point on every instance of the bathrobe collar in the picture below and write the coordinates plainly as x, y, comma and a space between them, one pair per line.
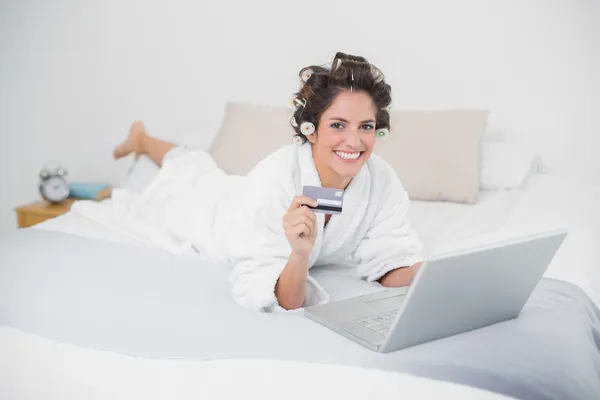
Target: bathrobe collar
356, 197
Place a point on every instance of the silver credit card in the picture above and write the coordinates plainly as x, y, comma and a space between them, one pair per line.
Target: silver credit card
330, 201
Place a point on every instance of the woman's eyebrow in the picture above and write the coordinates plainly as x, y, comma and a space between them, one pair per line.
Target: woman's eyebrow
338, 119
346, 121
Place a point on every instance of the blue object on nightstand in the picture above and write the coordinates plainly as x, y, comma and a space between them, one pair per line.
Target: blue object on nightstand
86, 190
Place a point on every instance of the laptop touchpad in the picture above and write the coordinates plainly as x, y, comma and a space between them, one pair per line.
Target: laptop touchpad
385, 294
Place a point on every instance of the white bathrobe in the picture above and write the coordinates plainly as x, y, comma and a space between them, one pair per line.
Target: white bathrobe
372, 231
194, 206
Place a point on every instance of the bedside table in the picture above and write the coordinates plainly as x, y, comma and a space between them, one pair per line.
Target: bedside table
39, 211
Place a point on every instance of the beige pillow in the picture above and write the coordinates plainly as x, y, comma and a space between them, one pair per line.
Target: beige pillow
248, 134
434, 153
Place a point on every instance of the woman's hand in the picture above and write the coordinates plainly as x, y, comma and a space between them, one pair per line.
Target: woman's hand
300, 225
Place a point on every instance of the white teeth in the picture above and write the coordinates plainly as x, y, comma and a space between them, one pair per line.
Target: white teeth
348, 156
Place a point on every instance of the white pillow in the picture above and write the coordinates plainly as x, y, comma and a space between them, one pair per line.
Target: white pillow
436, 153
505, 165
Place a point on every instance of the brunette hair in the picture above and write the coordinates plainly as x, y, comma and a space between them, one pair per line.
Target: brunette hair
347, 72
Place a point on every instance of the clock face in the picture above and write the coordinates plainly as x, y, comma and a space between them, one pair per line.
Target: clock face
55, 189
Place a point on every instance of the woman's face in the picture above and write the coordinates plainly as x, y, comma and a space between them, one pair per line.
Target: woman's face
345, 138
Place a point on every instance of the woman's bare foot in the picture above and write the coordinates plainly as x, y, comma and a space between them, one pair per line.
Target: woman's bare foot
133, 143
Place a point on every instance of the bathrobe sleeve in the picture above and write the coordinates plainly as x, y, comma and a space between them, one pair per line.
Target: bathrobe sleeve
258, 250
390, 242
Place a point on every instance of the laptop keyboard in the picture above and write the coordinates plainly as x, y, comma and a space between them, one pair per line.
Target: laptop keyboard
379, 323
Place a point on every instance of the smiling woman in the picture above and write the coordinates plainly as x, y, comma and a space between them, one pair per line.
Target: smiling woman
274, 236
345, 138
345, 104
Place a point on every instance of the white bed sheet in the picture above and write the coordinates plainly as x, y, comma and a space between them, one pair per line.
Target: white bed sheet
36, 368
547, 202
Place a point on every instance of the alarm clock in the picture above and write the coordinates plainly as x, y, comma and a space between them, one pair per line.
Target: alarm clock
53, 182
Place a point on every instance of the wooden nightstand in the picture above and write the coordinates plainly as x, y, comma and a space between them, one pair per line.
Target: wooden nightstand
39, 211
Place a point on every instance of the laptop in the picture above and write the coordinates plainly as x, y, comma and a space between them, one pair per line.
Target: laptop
450, 294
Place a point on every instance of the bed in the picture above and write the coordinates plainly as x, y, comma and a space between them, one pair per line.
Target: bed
86, 312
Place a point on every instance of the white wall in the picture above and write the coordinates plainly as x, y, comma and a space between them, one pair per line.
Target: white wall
74, 74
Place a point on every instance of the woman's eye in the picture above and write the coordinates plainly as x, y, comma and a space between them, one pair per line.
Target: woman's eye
368, 127
337, 125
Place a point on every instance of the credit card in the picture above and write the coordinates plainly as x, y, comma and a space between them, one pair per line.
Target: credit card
330, 201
